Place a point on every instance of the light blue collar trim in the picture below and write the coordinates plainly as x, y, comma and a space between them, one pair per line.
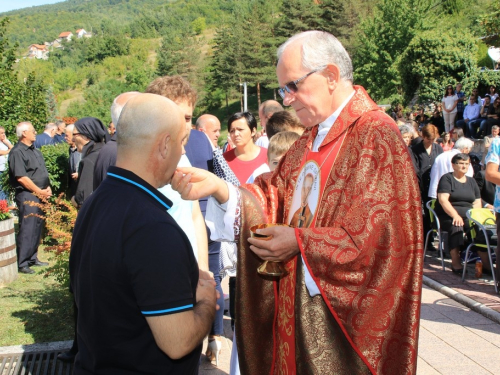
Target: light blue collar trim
141, 187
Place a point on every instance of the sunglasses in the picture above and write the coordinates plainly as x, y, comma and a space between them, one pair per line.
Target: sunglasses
291, 87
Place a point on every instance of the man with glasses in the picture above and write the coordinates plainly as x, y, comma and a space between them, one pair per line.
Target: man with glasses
338, 306
29, 176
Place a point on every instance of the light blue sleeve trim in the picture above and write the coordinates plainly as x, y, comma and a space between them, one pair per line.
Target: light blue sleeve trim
139, 186
167, 310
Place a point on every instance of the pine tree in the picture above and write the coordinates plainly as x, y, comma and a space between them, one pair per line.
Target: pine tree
51, 102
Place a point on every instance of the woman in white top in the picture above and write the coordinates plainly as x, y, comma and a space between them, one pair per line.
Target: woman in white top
5, 147
449, 101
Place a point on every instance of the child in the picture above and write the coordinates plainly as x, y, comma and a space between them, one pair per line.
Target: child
278, 146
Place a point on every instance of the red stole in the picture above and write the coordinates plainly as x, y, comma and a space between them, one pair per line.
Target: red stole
319, 165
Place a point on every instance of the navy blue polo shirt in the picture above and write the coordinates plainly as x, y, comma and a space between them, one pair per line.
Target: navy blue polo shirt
129, 260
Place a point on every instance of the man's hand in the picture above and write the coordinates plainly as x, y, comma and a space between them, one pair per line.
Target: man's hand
194, 183
206, 275
47, 192
74, 176
206, 292
281, 247
73, 202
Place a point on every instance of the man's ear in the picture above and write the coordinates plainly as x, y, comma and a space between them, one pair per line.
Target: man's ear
333, 75
164, 145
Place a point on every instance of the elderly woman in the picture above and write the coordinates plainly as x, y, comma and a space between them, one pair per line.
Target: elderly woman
407, 132
457, 193
89, 135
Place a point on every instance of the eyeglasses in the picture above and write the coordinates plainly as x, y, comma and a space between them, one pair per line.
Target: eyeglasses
463, 164
291, 87
75, 134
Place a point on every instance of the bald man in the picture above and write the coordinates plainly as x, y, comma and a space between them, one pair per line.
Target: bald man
210, 125
107, 156
142, 306
266, 110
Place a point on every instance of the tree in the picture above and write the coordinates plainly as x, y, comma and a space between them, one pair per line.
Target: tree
435, 58
382, 40
179, 53
302, 15
51, 104
258, 44
19, 101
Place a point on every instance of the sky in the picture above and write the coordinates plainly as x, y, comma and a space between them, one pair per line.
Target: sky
6, 5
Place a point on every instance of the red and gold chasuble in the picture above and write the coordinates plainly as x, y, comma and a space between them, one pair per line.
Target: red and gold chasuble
313, 174
361, 243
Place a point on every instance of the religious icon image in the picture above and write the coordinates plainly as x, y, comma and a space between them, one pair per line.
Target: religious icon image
305, 202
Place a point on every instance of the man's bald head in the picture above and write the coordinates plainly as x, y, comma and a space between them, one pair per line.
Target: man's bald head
210, 125
145, 117
119, 103
267, 109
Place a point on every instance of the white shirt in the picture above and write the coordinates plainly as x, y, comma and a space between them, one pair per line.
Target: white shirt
262, 169
449, 101
182, 210
220, 218
3, 158
263, 141
441, 166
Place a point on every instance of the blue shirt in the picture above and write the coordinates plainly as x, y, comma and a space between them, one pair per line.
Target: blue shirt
460, 105
494, 157
43, 140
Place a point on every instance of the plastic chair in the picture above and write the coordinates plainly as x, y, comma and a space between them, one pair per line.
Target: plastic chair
436, 228
479, 217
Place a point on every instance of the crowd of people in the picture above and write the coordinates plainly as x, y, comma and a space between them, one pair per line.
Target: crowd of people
335, 172
447, 171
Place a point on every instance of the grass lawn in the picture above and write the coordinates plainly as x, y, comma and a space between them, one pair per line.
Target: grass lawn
35, 309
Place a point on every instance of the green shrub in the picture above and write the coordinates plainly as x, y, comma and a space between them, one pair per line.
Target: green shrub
56, 161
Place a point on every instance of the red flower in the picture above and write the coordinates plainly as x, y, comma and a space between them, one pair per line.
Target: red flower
4, 207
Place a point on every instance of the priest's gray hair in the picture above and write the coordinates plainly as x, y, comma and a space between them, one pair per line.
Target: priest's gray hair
320, 48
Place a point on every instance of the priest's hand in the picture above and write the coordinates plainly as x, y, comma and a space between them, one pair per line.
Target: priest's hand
194, 183
281, 247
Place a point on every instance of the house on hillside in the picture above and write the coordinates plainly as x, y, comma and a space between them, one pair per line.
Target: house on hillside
80, 33
66, 35
38, 51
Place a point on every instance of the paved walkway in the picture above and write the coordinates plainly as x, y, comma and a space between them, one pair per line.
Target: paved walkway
453, 340
481, 290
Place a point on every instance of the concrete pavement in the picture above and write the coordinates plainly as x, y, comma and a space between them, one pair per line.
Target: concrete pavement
453, 340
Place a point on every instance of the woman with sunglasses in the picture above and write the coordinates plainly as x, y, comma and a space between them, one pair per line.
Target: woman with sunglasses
449, 101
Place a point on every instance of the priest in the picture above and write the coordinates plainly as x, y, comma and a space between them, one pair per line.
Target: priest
350, 300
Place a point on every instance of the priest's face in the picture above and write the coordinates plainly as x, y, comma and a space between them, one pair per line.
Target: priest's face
312, 99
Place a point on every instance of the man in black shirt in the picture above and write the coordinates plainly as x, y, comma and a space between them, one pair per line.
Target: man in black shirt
28, 175
144, 306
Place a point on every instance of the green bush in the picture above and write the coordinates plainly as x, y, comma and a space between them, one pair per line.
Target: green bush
56, 161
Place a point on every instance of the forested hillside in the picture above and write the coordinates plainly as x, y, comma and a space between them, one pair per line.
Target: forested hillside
401, 49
